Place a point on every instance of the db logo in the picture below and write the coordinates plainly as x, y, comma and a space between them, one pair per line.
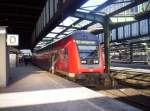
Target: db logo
91, 70
12, 39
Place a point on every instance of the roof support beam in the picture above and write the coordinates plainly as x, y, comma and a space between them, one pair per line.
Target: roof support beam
86, 26
91, 17
118, 2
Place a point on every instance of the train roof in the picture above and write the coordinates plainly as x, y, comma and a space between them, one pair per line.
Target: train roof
77, 35
83, 35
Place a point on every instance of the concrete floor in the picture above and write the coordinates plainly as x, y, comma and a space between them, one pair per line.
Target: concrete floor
32, 89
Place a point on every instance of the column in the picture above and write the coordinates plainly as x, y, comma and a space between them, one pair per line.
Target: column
3, 58
107, 44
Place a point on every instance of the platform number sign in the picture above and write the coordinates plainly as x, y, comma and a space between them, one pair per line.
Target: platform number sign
12, 40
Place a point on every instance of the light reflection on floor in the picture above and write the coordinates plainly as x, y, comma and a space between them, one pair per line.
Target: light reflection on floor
17, 99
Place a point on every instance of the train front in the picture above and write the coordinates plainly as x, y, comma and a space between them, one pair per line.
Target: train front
90, 57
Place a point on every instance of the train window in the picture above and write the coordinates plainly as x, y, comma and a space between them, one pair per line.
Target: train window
66, 53
144, 27
113, 34
127, 31
135, 29
88, 51
120, 33
101, 37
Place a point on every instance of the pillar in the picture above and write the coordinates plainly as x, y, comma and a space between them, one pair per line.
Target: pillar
107, 44
3, 58
131, 53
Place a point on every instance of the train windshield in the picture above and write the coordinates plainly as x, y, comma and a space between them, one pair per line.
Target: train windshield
88, 49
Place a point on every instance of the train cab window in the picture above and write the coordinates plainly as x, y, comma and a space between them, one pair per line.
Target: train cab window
88, 51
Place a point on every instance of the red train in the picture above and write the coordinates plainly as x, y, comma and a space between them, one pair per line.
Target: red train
78, 56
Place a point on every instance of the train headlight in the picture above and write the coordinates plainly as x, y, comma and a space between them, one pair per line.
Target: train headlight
83, 61
96, 61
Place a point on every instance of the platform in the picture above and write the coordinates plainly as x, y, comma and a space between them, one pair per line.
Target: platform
32, 89
141, 68
137, 75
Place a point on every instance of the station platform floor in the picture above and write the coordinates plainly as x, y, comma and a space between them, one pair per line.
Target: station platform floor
32, 89
141, 68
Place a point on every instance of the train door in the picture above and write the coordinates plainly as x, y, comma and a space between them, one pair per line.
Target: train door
52, 62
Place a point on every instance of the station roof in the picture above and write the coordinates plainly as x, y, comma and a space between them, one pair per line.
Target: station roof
119, 11
21, 16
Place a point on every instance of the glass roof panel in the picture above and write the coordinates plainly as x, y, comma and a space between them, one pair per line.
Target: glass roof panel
69, 21
82, 10
115, 6
83, 23
91, 5
41, 42
95, 26
51, 35
46, 38
61, 36
131, 12
67, 32
71, 29
58, 29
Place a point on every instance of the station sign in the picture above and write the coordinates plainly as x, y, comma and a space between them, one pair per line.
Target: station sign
12, 40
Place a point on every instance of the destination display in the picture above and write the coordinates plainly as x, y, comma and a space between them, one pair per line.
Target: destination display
85, 42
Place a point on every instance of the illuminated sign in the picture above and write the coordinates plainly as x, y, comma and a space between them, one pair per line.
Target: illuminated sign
12, 40
85, 42
87, 47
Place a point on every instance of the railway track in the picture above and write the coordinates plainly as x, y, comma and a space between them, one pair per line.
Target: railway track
129, 96
132, 78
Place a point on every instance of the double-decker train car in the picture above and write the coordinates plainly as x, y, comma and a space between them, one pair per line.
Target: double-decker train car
77, 56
